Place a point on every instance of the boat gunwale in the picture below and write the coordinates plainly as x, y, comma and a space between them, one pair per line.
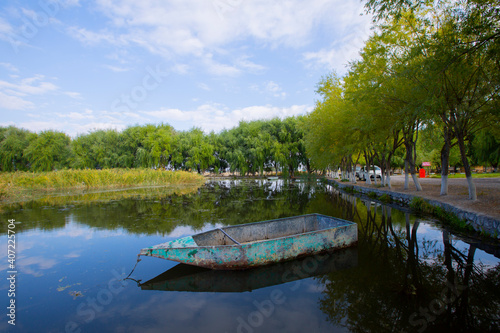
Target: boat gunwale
348, 224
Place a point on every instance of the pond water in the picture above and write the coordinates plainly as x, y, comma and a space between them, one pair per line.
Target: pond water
407, 274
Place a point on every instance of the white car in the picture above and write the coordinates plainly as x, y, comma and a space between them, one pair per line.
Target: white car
363, 172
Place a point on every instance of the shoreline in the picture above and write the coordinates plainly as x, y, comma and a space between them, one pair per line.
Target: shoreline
19, 186
482, 215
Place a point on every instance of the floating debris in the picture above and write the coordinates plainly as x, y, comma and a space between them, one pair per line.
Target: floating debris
76, 294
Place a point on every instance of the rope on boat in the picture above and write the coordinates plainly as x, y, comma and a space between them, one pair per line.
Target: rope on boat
138, 259
231, 238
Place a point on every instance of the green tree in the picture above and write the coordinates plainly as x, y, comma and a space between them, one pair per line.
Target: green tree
487, 149
13, 142
49, 150
99, 149
459, 53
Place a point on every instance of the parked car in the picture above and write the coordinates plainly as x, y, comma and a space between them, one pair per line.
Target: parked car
364, 171
357, 172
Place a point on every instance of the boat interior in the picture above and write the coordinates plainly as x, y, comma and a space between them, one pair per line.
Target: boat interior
252, 232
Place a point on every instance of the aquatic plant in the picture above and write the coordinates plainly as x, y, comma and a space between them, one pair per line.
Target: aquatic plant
15, 185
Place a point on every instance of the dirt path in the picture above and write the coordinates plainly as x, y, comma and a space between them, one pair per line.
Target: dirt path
488, 193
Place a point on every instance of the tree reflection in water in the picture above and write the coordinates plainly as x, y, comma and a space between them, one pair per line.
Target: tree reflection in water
404, 280
405, 283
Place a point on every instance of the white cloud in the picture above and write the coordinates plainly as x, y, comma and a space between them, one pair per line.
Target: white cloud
220, 69
274, 89
269, 88
15, 95
216, 117
180, 68
74, 123
77, 115
244, 63
203, 28
9, 67
337, 57
69, 3
356, 31
117, 69
14, 102
38, 126
209, 117
5, 28
85, 128
203, 86
73, 94
91, 38
29, 86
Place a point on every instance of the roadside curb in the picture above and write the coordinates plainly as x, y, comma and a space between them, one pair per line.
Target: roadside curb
483, 224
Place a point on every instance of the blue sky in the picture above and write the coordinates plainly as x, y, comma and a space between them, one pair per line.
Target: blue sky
76, 65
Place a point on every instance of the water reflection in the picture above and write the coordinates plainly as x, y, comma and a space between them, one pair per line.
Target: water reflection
190, 278
407, 283
411, 274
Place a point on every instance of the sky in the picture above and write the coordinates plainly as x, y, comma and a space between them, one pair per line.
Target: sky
80, 65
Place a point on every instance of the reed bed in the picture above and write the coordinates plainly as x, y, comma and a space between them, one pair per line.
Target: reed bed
14, 184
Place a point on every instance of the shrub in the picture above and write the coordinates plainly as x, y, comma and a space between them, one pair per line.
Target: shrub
385, 198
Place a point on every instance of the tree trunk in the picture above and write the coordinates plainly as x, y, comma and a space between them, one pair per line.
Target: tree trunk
411, 158
445, 161
465, 162
382, 171
407, 176
374, 174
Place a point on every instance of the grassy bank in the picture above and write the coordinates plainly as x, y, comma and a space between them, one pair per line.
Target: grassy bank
15, 186
474, 175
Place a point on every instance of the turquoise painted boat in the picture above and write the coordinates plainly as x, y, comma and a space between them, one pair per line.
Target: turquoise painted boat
255, 244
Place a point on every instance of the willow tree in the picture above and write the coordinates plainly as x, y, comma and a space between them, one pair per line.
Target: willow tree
13, 142
49, 150
98, 149
375, 114
324, 136
200, 154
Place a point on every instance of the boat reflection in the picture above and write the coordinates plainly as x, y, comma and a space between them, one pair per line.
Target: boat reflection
184, 277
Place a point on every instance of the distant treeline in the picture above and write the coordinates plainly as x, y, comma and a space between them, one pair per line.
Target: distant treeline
251, 147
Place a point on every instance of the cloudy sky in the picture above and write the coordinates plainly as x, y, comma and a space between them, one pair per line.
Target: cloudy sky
79, 65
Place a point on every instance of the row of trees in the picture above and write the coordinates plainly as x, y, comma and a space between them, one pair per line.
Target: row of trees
431, 65
252, 147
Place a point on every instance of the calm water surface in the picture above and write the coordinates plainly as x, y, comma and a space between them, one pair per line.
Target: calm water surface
407, 273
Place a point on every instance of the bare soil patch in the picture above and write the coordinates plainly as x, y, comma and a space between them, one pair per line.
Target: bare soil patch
488, 193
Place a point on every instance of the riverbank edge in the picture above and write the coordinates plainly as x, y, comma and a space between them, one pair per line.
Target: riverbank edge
17, 187
483, 224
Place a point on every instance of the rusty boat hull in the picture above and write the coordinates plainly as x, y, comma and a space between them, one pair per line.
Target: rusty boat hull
261, 243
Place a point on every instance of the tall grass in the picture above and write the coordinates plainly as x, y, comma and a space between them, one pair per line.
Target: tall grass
12, 183
420, 205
